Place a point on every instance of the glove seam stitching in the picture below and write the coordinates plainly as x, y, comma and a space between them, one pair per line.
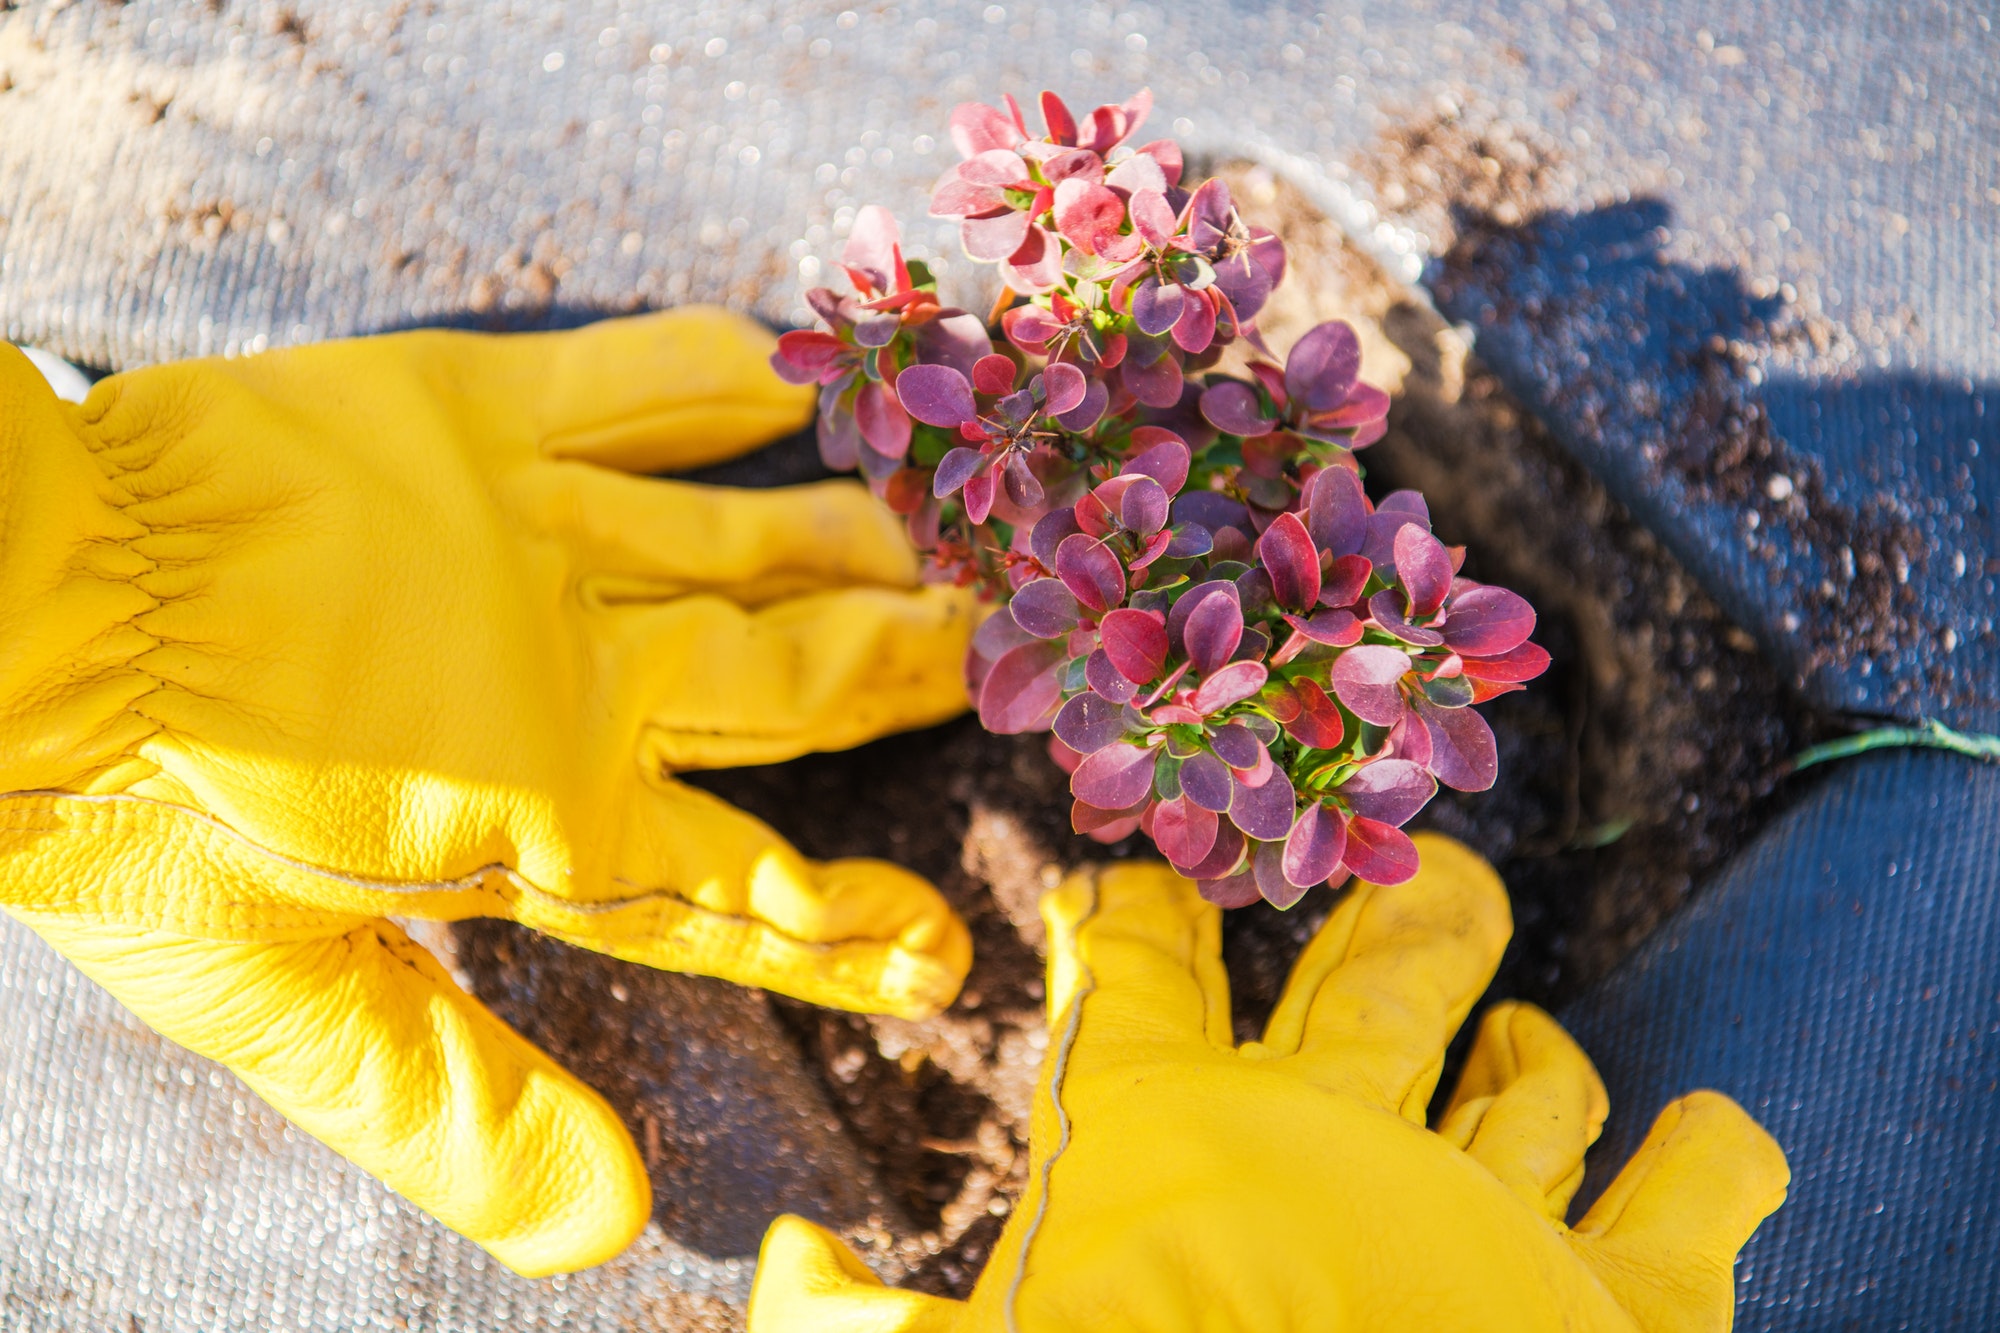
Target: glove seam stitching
1058, 1071
461, 884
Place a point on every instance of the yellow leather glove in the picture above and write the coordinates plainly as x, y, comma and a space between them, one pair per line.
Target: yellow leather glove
293, 643
1178, 1182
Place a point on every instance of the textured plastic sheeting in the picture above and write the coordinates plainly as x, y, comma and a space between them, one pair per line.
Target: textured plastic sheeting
144, 1188
1846, 519
1842, 981
179, 180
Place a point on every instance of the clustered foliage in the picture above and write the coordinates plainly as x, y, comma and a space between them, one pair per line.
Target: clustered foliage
1238, 651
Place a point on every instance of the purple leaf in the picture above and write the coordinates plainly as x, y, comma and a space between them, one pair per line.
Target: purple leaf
1424, 568
1314, 846
1337, 511
1291, 562
1267, 866
1156, 383
1234, 408
1024, 488
1086, 414
1462, 751
1044, 608
839, 440
1386, 609
938, 395
1238, 890
1089, 722
1409, 739
1089, 569
1222, 856
1049, 532
991, 240
1407, 502
1114, 778
1233, 684
1183, 831
1213, 630
1107, 679
995, 166
1366, 679
1389, 790
1136, 643
1379, 546
1141, 175
956, 340
1336, 627
1486, 622
1165, 461
1190, 540
1021, 692
1323, 366
1064, 384
1206, 781
1378, 853
959, 466
996, 634
1190, 602
1143, 509
1156, 305
1264, 812
1212, 509
1238, 746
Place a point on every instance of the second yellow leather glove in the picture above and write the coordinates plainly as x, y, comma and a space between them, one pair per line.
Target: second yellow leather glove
1179, 1182
293, 643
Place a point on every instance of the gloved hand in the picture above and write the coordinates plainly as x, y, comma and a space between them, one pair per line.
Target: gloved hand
1179, 1182
296, 642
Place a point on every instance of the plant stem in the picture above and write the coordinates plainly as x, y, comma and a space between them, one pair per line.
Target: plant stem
1931, 734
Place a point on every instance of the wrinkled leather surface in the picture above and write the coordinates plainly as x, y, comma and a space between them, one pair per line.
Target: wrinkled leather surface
1180, 1181
300, 641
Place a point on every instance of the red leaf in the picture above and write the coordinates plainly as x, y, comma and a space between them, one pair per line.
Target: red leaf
1423, 567
1526, 662
1233, 684
883, 422
1345, 580
1292, 562
1214, 630
1021, 692
1136, 643
1319, 723
1378, 853
1162, 455
1088, 569
1088, 215
1183, 831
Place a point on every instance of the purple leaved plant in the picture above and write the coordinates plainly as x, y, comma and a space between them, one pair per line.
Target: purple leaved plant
1238, 652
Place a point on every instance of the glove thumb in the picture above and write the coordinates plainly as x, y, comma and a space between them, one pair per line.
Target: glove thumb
808, 1281
1664, 1236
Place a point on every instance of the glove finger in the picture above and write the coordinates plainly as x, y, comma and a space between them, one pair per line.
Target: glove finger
1377, 994
641, 540
1527, 1106
715, 685
1664, 1236
809, 1282
1139, 943
651, 393
363, 1041
690, 884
